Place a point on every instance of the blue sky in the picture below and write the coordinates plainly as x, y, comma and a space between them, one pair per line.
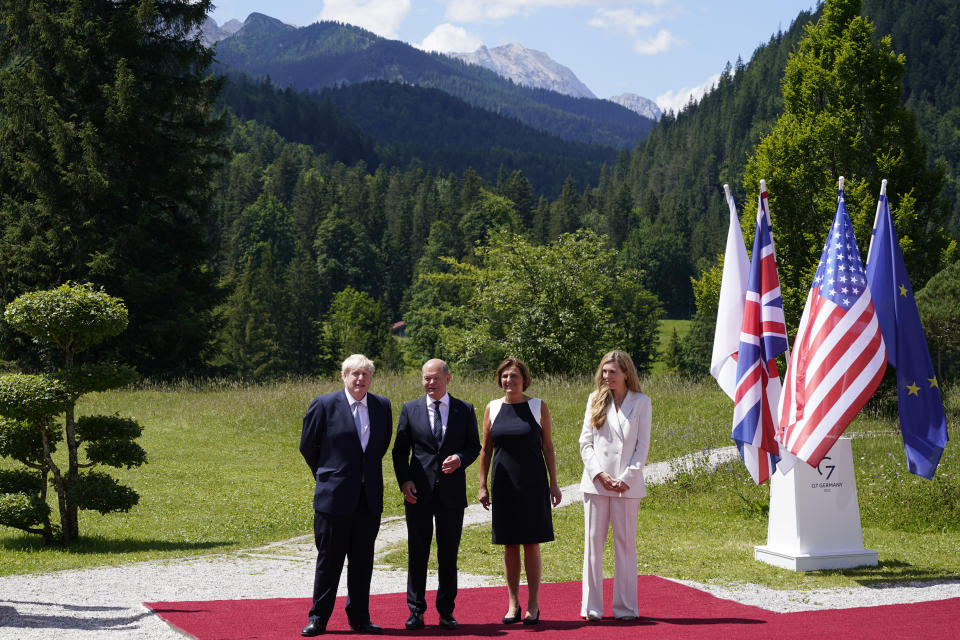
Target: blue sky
659, 49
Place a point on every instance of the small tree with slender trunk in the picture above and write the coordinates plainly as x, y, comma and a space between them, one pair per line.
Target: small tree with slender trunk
73, 318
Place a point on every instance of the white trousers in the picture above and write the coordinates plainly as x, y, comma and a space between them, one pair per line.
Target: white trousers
599, 513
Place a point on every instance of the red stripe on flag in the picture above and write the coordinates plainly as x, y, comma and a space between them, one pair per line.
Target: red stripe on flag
833, 396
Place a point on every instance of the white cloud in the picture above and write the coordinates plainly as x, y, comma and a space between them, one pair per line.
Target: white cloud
660, 43
383, 17
449, 38
623, 20
677, 100
480, 10
635, 25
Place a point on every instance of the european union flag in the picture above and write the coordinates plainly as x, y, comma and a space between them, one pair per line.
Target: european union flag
922, 420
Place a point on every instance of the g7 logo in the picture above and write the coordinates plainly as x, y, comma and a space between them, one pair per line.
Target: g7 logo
831, 467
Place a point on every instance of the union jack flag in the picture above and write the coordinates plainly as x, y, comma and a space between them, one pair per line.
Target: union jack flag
763, 337
838, 357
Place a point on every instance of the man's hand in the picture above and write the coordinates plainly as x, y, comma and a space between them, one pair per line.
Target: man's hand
409, 491
451, 464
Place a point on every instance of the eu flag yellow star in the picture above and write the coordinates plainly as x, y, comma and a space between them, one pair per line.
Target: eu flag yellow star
903, 291
933, 383
913, 389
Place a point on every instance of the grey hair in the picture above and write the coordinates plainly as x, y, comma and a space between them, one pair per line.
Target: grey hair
356, 361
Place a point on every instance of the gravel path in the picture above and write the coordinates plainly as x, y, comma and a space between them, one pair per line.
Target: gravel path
106, 603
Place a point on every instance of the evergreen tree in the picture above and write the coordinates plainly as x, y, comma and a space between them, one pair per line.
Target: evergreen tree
356, 323
301, 283
249, 340
843, 116
662, 257
345, 257
517, 188
939, 306
565, 212
107, 148
487, 213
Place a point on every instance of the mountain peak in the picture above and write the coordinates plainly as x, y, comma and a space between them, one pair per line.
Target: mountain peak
528, 67
212, 33
638, 104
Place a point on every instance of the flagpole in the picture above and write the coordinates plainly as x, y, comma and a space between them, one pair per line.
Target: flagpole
726, 190
841, 183
766, 212
876, 216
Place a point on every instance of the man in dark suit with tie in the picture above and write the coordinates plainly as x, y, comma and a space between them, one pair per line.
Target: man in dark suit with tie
436, 441
345, 436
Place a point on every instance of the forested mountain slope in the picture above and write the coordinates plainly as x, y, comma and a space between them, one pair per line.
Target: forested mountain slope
928, 34
398, 125
328, 54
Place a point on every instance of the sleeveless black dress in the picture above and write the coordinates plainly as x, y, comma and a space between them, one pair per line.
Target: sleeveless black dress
520, 490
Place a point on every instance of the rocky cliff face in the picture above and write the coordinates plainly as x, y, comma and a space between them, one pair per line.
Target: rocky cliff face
213, 33
529, 68
644, 106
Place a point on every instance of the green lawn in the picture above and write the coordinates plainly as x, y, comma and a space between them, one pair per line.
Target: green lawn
224, 473
667, 327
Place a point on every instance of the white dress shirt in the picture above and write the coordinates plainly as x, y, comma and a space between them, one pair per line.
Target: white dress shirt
364, 417
444, 412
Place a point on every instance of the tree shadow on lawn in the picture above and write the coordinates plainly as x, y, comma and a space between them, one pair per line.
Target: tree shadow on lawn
98, 545
896, 573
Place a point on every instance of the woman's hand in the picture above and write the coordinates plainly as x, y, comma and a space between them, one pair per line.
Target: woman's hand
607, 481
555, 495
484, 497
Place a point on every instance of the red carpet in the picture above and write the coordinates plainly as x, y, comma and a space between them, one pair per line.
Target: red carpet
668, 611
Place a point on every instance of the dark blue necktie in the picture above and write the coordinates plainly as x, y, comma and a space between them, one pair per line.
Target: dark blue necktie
437, 423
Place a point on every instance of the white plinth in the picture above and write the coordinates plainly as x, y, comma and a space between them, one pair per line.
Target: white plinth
814, 516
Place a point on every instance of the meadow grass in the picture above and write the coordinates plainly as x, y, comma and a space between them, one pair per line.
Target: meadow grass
665, 333
224, 473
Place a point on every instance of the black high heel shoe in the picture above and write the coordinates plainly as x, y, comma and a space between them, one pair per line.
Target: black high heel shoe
511, 619
533, 619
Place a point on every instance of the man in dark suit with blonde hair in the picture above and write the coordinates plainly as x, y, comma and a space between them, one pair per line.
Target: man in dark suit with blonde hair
345, 436
436, 440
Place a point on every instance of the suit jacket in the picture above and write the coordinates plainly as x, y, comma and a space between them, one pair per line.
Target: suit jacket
416, 455
330, 444
618, 447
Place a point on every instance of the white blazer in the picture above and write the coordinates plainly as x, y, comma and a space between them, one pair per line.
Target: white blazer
618, 447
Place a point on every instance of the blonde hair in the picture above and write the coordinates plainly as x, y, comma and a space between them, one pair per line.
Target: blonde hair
603, 396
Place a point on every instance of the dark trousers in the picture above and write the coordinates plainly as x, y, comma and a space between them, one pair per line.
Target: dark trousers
420, 519
349, 536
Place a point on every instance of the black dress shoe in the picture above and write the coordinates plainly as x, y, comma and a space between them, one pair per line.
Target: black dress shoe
314, 628
448, 621
415, 621
366, 627
532, 619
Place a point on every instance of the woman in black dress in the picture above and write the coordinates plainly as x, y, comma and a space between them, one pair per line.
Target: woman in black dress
516, 434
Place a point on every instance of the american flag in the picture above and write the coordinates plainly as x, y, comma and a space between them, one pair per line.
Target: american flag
763, 337
838, 357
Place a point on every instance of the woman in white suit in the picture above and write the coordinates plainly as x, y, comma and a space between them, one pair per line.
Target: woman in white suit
613, 444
